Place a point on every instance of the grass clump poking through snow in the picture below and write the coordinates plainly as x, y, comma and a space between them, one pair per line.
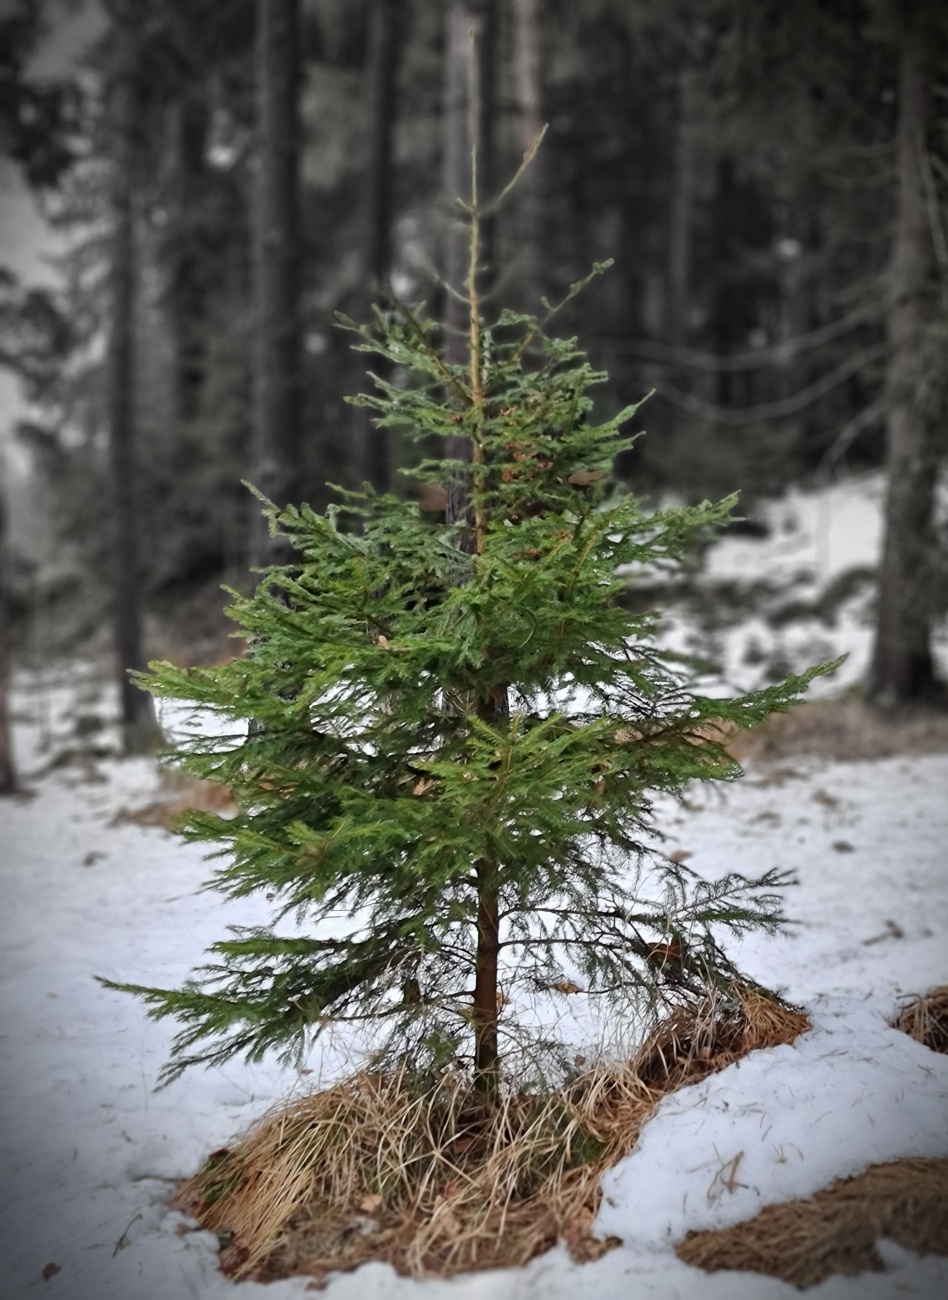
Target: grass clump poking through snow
926, 1019
837, 1230
431, 1180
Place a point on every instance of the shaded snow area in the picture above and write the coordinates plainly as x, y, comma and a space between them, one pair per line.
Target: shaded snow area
802, 594
90, 1153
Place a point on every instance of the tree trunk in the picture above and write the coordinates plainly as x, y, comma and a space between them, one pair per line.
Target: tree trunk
137, 713
381, 67
468, 143
902, 668
464, 77
528, 63
486, 1049
186, 292
7, 770
679, 226
277, 266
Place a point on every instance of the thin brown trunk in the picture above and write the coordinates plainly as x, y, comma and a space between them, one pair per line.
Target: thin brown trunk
137, 715
902, 668
277, 264
528, 64
486, 1050
468, 145
384, 45
7, 768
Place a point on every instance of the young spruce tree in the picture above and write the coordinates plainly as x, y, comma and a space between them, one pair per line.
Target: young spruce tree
445, 739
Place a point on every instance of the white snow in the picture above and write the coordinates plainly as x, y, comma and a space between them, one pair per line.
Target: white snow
820, 543
90, 1152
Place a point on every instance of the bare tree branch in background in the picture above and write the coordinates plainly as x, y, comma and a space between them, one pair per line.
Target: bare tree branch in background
785, 406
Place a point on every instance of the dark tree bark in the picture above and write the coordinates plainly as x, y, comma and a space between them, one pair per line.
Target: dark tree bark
528, 67
381, 68
464, 76
137, 713
7, 769
187, 287
486, 964
679, 226
277, 268
902, 668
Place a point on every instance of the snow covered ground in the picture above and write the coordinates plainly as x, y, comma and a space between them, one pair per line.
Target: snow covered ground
90, 1152
803, 595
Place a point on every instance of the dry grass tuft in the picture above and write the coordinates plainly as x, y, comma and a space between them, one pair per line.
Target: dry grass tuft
180, 794
846, 729
835, 1231
433, 1182
926, 1019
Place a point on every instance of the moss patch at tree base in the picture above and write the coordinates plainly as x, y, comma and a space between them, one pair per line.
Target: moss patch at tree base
431, 1181
837, 1230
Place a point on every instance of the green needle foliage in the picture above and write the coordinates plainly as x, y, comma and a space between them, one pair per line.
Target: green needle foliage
445, 740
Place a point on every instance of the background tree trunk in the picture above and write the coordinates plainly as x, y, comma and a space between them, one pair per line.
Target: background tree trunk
137, 713
679, 225
528, 68
381, 70
466, 20
902, 668
277, 268
7, 769
186, 293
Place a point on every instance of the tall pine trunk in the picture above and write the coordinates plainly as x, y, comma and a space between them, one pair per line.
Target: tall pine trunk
186, 293
468, 76
528, 65
902, 668
277, 268
679, 224
381, 70
137, 715
7, 769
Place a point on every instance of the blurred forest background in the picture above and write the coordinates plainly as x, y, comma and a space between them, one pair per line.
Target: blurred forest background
771, 180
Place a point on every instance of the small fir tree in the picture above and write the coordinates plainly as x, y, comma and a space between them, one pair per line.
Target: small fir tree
445, 739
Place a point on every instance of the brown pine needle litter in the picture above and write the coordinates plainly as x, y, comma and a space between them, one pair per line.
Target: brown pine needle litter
925, 1019
835, 1231
435, 1184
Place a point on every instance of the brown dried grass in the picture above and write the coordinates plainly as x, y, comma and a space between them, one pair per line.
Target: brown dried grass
846, 729
434, 1183
835, 1231
925, 1019
180, 794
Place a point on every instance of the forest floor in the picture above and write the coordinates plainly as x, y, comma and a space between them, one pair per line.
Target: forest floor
854, 806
